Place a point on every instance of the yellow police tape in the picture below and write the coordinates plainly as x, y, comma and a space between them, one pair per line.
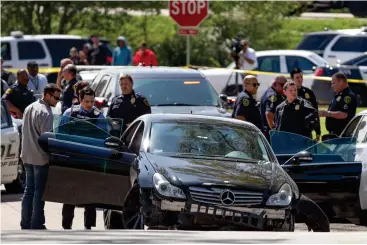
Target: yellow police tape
57, 69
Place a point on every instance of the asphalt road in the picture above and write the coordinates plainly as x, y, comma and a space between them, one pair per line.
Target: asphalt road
11, 233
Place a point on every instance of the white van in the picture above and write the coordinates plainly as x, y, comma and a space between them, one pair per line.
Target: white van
47, 50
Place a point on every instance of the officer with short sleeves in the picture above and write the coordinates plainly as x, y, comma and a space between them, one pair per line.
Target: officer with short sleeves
342, 108
296, 115
245, 107
129, 105
272, 97
18, 96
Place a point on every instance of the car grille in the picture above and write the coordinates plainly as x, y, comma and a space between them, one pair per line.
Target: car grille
213, 196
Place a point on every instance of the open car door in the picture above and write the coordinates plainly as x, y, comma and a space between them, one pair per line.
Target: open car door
83, 168
325, 171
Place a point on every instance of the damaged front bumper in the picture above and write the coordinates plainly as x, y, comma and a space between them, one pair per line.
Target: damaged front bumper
256, 218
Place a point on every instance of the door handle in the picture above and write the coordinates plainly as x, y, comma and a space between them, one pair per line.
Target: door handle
331, 56
60, 155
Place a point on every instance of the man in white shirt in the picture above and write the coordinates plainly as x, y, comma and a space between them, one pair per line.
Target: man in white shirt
37, 82
248, 60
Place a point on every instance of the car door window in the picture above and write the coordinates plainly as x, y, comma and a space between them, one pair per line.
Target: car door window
315, 42
299, 62
31, 50
5, 117
128, 135
96, 81
5, 51
351, 44
102, 85
110, 89
361, 131
135, 143
269, 63
349, 132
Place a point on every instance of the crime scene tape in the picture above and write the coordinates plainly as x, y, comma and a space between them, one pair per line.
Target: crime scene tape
57, 69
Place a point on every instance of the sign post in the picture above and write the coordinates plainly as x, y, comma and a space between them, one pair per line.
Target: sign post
188, 14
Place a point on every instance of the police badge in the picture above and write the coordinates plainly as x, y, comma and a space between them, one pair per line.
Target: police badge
245, 102
132, 101
296, 107
307, 95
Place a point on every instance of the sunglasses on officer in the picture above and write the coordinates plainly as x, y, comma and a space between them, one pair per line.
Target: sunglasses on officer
253, 84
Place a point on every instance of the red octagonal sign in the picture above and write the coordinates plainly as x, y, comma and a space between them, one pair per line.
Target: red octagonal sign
188, 13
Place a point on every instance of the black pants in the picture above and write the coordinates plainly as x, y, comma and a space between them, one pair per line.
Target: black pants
90, 216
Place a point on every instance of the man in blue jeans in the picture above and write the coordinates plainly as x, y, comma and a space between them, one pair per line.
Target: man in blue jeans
37, 119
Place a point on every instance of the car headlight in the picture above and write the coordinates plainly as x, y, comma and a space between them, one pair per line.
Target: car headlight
282, 198
164, 188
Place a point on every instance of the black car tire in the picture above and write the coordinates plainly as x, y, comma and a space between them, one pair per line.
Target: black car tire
132, 216
112, 219
18, 185
288, 225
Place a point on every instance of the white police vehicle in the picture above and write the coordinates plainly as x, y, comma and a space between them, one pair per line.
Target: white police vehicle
12, 170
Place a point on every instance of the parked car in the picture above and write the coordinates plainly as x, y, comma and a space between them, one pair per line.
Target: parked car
168, 90
331, 172
270, 64
336, 46
176, 170
47, 50
12, 170
355, 70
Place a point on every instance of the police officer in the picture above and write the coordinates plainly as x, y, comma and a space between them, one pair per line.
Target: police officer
245, 107
60, 81
296, 115
7, 76
305, 93
85, 110
272, 97
342, 108
18, 96
129, 105
69, 91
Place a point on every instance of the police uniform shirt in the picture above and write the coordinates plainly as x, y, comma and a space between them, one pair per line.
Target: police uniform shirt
77, 111
68, 94
269, 102
345, 101
308, 95
20, 96
245, 105
298, 117
128, 107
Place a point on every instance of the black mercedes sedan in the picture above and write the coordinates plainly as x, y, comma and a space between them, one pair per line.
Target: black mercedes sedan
176, 171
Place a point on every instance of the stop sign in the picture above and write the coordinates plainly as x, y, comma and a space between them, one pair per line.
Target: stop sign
188, 13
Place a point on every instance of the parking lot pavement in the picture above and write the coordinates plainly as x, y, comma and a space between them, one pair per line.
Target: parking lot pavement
11, 208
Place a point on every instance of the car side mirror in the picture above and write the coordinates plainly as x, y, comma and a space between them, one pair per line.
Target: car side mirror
223, 97
100, 102
114, 143
303, 156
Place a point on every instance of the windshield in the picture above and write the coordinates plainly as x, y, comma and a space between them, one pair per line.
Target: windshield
72, 129
285, 145
166, 92
189, 138
356, 61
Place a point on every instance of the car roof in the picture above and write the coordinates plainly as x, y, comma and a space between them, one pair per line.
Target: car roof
157, 117
303, 53
51, 36
344, 31
156, 71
